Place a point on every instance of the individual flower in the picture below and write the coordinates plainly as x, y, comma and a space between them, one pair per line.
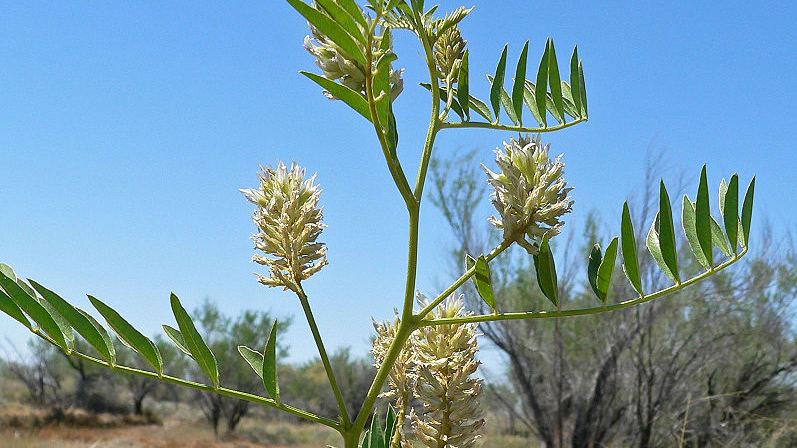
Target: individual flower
448, 51
289, 222
530, 193
339, 65
445, 360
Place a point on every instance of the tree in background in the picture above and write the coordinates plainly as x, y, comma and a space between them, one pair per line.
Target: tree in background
726, 344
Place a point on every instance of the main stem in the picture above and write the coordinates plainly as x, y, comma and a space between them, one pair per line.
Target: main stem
408, 322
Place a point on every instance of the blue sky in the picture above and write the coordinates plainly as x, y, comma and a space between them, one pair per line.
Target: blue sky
126, 130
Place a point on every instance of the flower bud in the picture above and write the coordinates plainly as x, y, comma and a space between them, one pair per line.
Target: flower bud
289, 222
448, 50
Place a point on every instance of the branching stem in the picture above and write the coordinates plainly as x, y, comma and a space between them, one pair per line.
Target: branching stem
582, 311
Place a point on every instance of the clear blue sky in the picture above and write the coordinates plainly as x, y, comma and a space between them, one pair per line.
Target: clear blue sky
126, 129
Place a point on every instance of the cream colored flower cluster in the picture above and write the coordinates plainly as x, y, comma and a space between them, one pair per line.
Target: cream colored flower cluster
530, 193
338, 65
289, 222
435, 366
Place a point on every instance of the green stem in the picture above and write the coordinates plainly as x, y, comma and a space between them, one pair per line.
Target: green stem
462, 279
402, 333
582, 311
308, 313
506, 127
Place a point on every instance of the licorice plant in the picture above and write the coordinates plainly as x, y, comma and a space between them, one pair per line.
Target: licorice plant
426, 352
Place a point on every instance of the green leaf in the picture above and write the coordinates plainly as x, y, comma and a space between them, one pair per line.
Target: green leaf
690, 230
546, 272
583, 89
270, 364
176, 337
377, 436
343, 93
497, 84
730, 212
103, 333
541, 88
747, 211
531, 101
506, 101
703, 218
354, 11
392, 131
194, 342
462, 87
390, 424
555, 83
606, 270
628, 243
567, 100
253, 358
342, 18
34, 309
654, 246
593, 265
480, 107
9, 307
667, 232
66, 329
91, 331
330, 29
518, 86
129, 335
481, 279
718, 238
575, 82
